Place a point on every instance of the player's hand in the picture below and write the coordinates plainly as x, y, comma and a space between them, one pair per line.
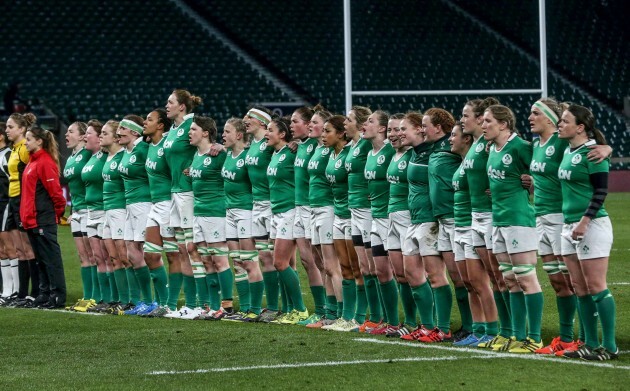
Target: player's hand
293, 146
526, 181
598, 153
215, 149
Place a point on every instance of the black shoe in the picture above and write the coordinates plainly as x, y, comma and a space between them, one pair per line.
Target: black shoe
52, 305
27, 302
460, 334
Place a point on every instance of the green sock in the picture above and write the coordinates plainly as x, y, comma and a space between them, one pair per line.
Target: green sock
244, 297
160, 283
331, 307
519, 315
461, 295
271, 289
349, 291
507, 302
423, 297
492, 328
340, 308
478, 329
113, 287
96, 287
143, 276
226, 283
122, 285
190, 291
284, 299
106, 290
292, 284
589, 318
607, 310
381, 299
212, 282
390, 298
362, 304
203, 292
504, 315
319, 298
174, 287
371, 292
566, 314
581, 335
534, 304
409, 306
134, 287
86, 279
443, 305
256, 290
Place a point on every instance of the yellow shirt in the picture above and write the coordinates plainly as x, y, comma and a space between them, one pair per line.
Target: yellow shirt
17, 162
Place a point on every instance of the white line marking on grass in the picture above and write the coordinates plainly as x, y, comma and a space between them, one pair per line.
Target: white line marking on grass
313, 364
495, 354
619, 283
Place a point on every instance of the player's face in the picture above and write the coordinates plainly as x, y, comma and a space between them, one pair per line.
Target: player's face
568, 127
491, 127
108, 136
73, 136
298, 126
457, 140
196, 134
274, 136
469, 121
538, 122
229, 135
173, 107
371, 127
350, 124
431, 132
393, 132
410, 135
330, 138
252, 124
315, 127
91, 140
32, 144
151, 124
14, 132
124, 136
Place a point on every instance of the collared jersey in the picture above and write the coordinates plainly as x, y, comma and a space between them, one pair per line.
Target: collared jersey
375, 174
418, 179
158, 172
207, 185
546, 160
257, 160
475, 165
92, 178
134, 174
320, 192
280, 172
113, 186
398, 185
337, 176
442, 165
305, 150
355, 165
72, 175
179, 154
18, 160
238, 189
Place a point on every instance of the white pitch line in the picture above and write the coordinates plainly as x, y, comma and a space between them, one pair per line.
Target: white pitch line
619, 283
535, 357
313, 364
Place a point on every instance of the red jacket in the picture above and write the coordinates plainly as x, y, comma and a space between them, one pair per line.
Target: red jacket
42, 198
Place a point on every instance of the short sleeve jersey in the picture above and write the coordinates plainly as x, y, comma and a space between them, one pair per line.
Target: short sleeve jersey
257, 160
418, 179
92, 177
236, 185
134, 174
355, 165
546, 160
320, 192
442, 165
461, 198
510, 202
18, 160
158, 172
72, 175
280, 172
338, 178
179, 154
398, 185
375, 174
207, 184
577, 191
113, 186
305, 150
475, 164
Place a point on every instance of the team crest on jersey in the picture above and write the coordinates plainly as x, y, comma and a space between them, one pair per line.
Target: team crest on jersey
479, 147
309, 149
550, 150
282, 157
576, 159
338, 164
326, 151
79, 158
99, 155
132, 159
263, 145
180, 133
160, 152
240, 163
402, 165
381, 159
507, 159
207, 161
113, 165
356, 152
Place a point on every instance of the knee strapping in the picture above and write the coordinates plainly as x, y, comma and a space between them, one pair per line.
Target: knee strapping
152, 248
188, 235
180, 237
235, 255
170, 247
249, 256
563, 268
218, 251
551, 268
524, 270
199, 271
506, 269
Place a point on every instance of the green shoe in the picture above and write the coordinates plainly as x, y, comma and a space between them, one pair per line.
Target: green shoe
294, 317
310, 320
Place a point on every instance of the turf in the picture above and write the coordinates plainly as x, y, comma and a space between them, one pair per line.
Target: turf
58, 350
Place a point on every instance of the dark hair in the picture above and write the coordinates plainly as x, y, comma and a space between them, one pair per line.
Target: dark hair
337, 122
480, 105
284, 125
382, 117
397, 116
187, 99
305, 113
163, 119
207, 124
441, 117
361, 113
49, 143
3, 132
82, 126
467, 136
96, 124
584, 116
503, 114
24, 120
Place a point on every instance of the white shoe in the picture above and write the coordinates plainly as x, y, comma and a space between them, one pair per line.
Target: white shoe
337, 323
192, 314
350, 325
178, 314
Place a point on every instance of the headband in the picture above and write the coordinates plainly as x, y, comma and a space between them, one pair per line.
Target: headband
547, 112
134, 127
259, 115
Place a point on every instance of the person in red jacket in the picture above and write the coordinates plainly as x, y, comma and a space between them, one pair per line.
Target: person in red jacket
42, 205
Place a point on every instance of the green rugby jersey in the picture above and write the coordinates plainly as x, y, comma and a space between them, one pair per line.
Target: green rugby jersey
442, 164
207, 185
546, 160
337, 176
92, 177
305, 150
72, 175
238, 189
134, 174
398, 185
257, 160
577, 191
355, 165
280, 172
418, 179
510, 202
179, 154
113, 186
320, 193
375, 173
158, 173
461, 198
475, 164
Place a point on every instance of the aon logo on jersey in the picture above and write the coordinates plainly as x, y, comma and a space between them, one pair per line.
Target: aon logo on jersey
251, 160
68, 172
312, 165
496, 174
537, 166
272, 171
151, 165
564, 174
370, 175
228, 174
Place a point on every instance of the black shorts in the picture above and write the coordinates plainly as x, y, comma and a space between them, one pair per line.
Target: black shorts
13, 215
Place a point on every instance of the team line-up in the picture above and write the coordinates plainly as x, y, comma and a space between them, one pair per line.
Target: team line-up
381, 208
